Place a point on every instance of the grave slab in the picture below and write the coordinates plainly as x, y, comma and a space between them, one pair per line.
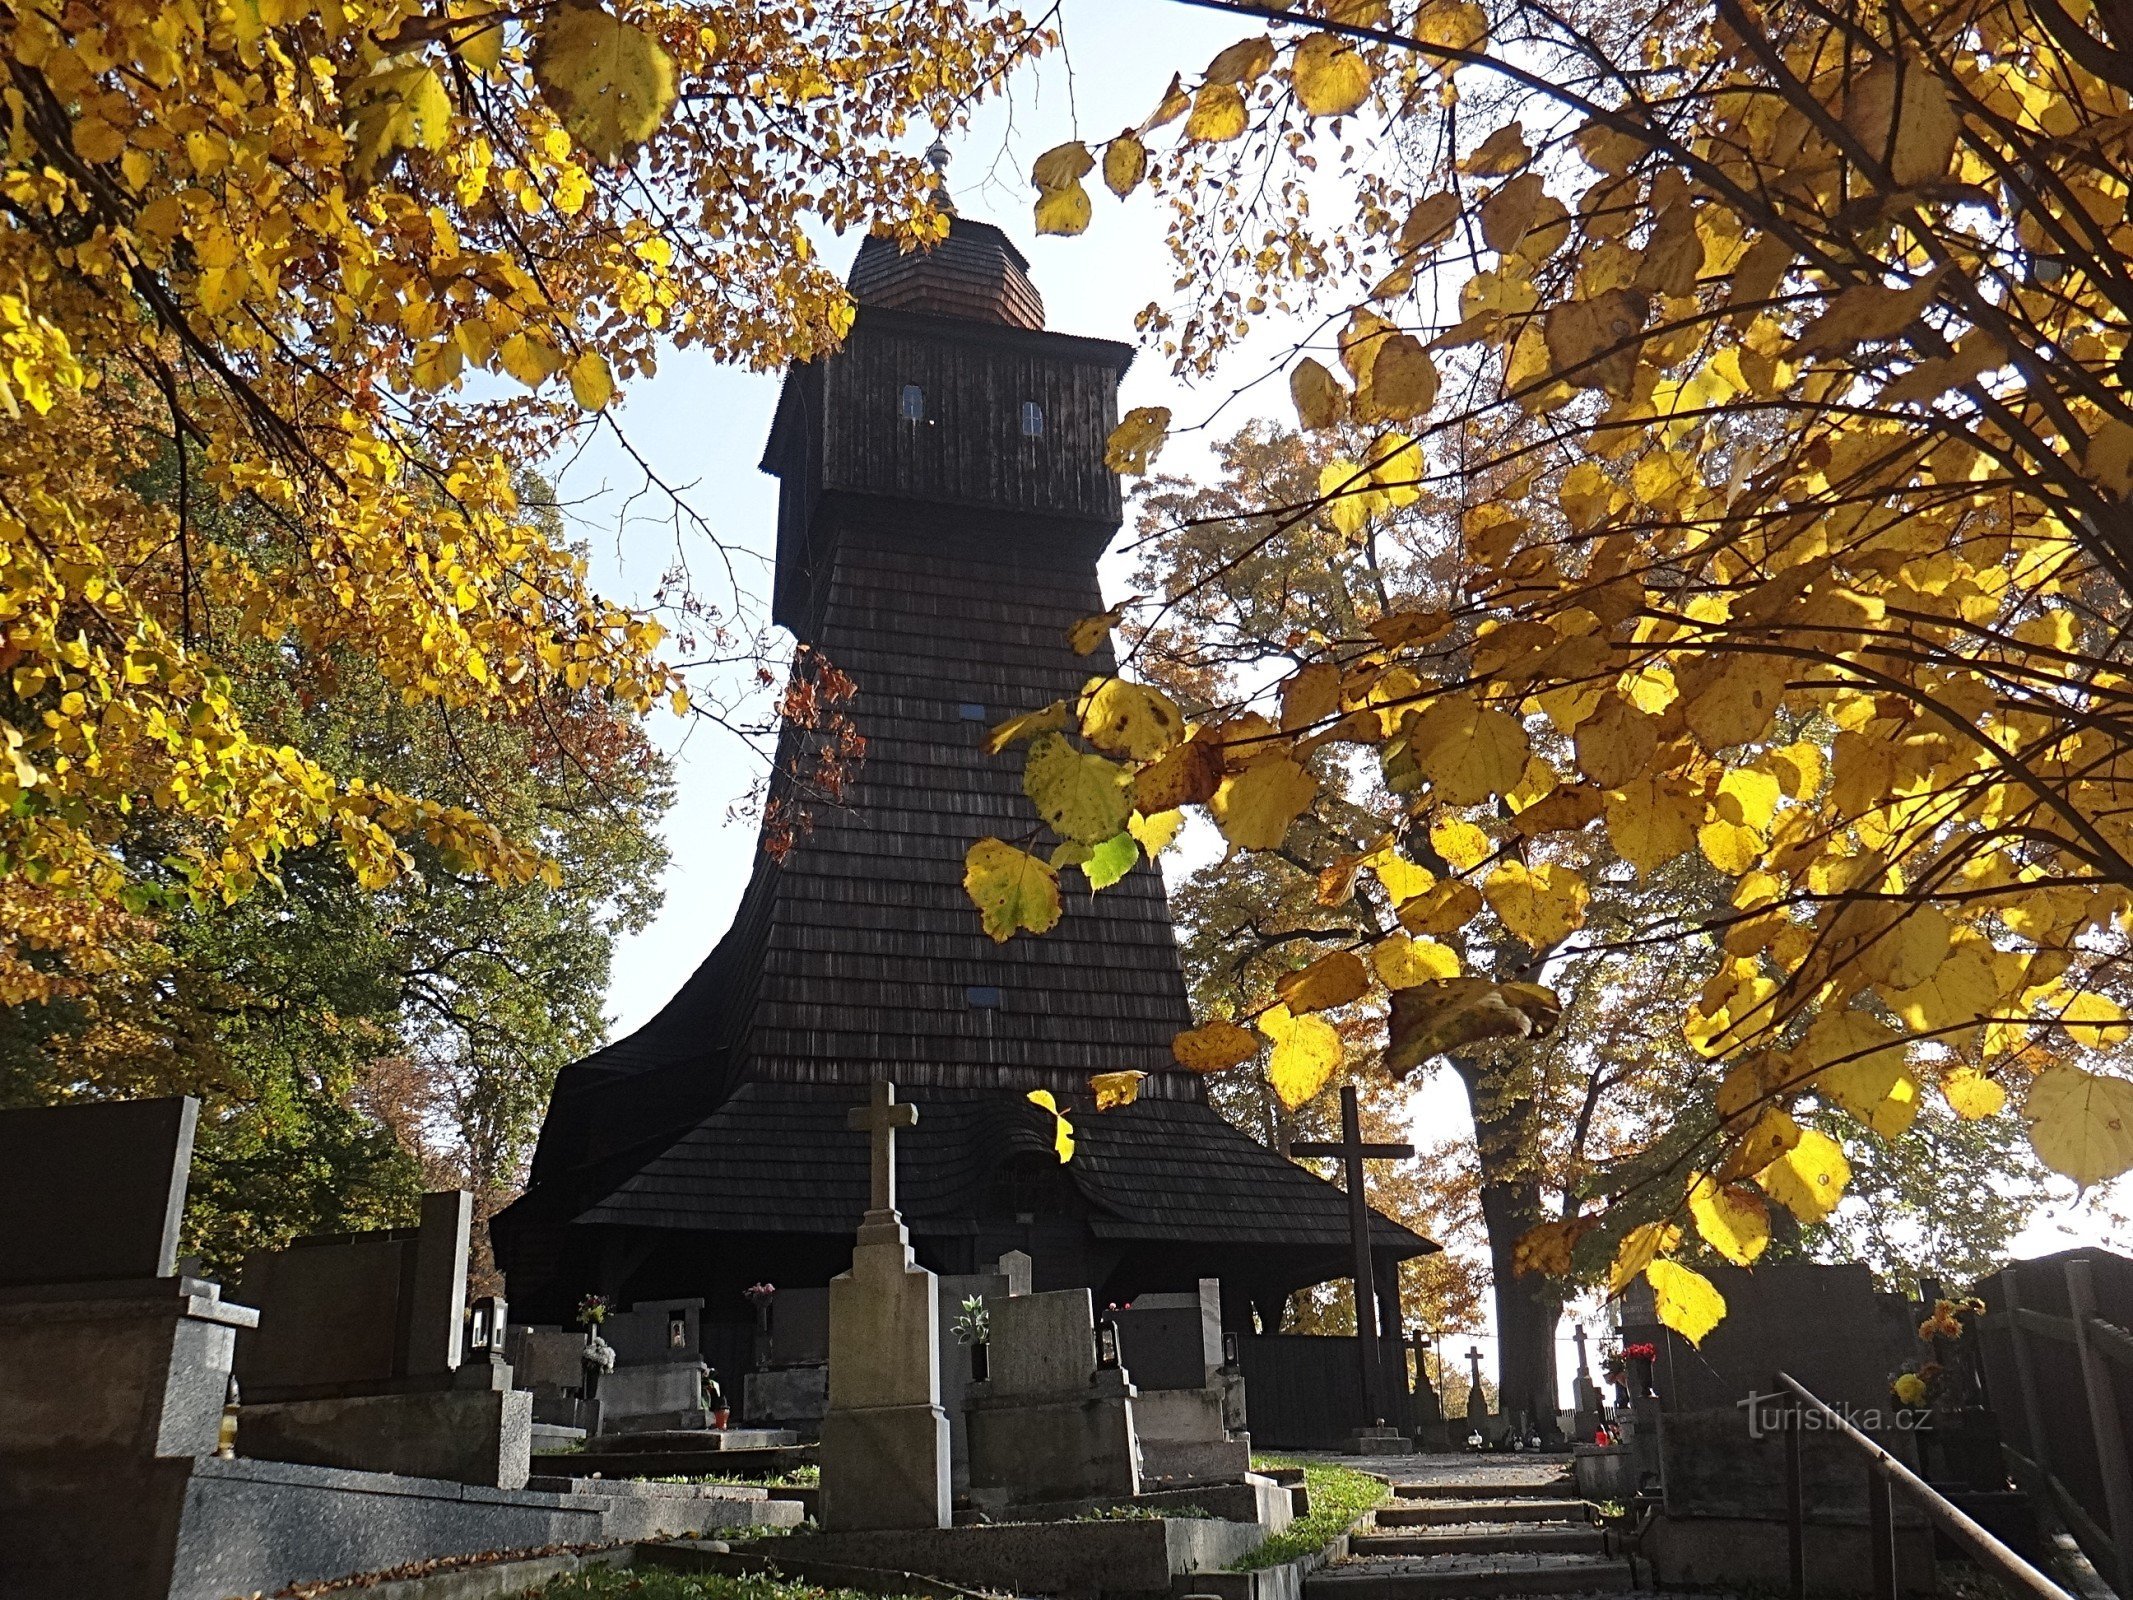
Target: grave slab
1049, 1424
94, 1192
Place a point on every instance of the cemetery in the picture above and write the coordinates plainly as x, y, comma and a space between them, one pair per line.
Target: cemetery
813, 1281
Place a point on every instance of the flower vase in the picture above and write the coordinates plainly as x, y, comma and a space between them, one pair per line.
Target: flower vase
980, 1363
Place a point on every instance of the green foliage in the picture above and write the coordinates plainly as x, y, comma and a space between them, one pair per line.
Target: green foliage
353, 1046
1340, 1498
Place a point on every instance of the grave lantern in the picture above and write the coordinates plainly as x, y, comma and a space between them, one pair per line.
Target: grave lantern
486, 1321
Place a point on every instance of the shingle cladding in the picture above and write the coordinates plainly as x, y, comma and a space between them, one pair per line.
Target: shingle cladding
859, 956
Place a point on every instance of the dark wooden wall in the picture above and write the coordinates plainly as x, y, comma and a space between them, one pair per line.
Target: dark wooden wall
969, 448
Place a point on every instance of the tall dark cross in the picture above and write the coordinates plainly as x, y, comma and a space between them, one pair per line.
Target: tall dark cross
879, 1118
1352, 1152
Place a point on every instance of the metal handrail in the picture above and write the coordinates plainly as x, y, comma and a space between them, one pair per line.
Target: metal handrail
1883, 1472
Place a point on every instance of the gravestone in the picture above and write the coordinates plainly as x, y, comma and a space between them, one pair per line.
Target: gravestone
1588, 1409
1171, 1348
793, 1390
357, 1359
114, 1368
957, 1371
1050, 1423
1721, 1453
885, 1453
1019, 1270
1477, 1403
657, 1382
95, 1192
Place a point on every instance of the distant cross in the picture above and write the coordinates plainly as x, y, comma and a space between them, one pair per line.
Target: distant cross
1352, 1152
1578, 1334
879, 1118
1473, 1356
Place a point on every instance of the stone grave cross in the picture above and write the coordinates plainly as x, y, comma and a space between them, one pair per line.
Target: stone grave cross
879, 1119
1353, 1152
1477, 1403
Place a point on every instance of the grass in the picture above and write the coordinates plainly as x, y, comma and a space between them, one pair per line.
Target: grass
1340, 1498
611, 1583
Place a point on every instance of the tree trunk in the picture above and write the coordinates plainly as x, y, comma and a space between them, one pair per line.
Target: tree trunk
1528, 1308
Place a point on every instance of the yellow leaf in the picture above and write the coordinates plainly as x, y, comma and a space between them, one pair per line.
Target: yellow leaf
1503, 151
1048, 719
1218, 114
2094, 1019
1773, 1133
1403, 379
1964, 988
96, 140
1125, 164
1685, 1300
1442, 908
1450, 1014
1011, 889
1255, 806
1640, 1247
1452, 25
1970, 1094
1460, 843
1469, 752
1213, 1046
1062, 1130
1173, 105
1063, 211
1131, 719
1115, 1088
1733, 1221
1082, 797
1799, 769
1330, 75
1540, 905
1858, 1064
1319, 398
1509, 212
1087, 635
609, 81
1547, 1249
2081, 1123
1402, 962
1901, 114
1189, 775
591, 384
1133, 444
1310, 694
1809, 1179
1243, 62
1110, 861
1866, 313
1332, 980
1062, 165
1911, 952
1306, 1052
1156, 832
1615, 743
528, 360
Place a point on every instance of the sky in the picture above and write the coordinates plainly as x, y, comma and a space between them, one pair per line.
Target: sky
702, 428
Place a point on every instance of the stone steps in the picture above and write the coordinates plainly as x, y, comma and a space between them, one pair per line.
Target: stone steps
1561, 1487
1449, 1511
1468, 1577
1480, 1538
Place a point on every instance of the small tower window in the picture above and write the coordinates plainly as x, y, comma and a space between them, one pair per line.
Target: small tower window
1032, 420
983, 996
912, 405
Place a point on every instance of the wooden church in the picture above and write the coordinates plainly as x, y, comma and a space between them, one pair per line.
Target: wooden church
943, 504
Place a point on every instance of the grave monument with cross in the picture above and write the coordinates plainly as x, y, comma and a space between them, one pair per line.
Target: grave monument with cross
1376, 1438
885, 1439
